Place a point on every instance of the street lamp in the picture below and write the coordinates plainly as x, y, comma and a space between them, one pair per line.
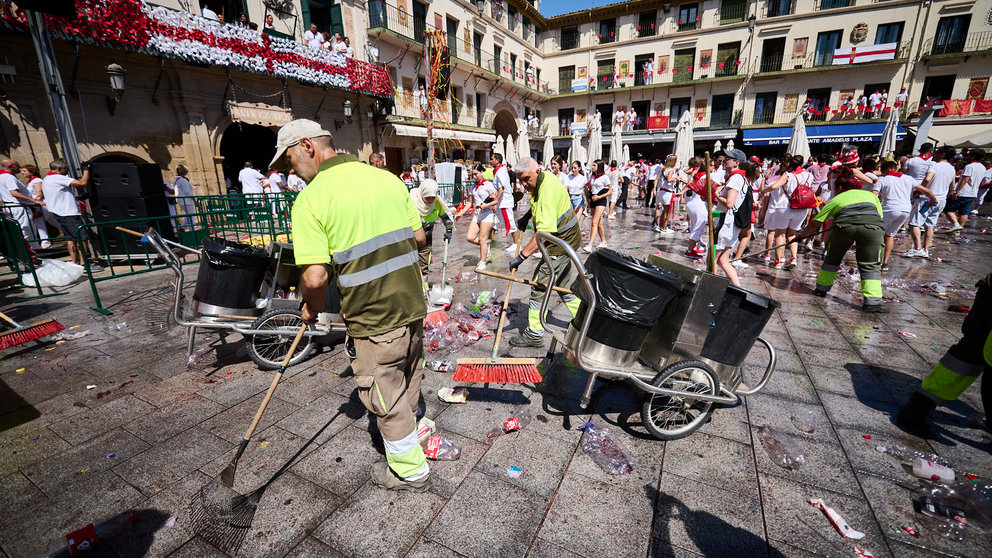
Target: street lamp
347, 115
750, 22
117, 76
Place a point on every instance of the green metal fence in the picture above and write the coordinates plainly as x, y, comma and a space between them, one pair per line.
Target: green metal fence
18, 256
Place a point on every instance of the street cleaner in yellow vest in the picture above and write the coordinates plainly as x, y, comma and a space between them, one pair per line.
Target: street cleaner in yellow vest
432, 209
361, 221
553, 213
960, 366
856, 218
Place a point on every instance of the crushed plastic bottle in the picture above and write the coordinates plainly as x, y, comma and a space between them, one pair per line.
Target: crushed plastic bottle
466, 277
519, 418
262, 302
929, 470
66, 335
908, 455
804, 421
440, 449
783, 451
118, 326
425, 429
952, 507
606, 450
196, 357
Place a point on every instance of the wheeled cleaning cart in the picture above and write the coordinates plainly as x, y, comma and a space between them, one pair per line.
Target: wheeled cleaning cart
682, 335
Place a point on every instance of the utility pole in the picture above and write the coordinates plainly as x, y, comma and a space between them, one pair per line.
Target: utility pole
428, 39
54, 90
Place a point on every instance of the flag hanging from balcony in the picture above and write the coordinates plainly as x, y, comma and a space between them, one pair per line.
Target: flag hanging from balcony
867, 53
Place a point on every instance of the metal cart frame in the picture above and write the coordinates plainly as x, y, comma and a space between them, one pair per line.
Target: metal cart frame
676, 340
233, 323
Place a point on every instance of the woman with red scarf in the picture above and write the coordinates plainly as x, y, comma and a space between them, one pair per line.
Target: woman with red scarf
695, 207
600, 190
781, 220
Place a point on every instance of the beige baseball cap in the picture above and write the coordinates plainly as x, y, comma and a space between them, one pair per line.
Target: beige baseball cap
291, 134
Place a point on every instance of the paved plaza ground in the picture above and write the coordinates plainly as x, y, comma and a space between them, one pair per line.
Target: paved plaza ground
153, 431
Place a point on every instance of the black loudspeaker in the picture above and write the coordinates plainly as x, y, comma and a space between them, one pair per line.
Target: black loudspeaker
123, 191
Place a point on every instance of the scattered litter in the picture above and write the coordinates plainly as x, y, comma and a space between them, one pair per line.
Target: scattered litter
958, 308
171, 522
859, 553
867, 436
838, 522
520, 417
805, 422
815, 322
50, 349
77, 326
54, 273
606, 450
440, 365
59, 342
907, 335
440, 449
20, 370
514, 472
264, 444
425, 429
91, 386
66, 336
453, 395
783, 451
908, 455
466, 276
119, 326
911, 531
81, 472
35, 438
926, 469
229, 372
111, 455
197, 356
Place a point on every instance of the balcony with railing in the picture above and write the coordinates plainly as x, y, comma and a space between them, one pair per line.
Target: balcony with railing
731, 12
825, 59
970, 43
779, 116
564, 39
775, 8
668, 76
831, 4
690, 24
403, 25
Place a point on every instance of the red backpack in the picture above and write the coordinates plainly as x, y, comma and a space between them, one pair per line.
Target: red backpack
802, 197
698, 185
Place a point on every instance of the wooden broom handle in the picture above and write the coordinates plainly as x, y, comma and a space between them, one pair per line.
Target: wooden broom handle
275, 382
506, 300
555, 288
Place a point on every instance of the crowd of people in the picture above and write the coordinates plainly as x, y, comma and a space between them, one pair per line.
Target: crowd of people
313, 37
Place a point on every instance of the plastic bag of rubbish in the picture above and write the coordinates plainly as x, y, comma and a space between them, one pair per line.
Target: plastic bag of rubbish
784, 451
54, 273
606, 450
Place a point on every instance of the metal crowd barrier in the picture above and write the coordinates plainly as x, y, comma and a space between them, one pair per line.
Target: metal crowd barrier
19, 257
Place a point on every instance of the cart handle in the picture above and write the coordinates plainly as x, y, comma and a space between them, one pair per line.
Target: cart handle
768, 371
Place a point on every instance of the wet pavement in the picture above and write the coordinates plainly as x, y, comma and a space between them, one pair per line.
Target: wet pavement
152, 432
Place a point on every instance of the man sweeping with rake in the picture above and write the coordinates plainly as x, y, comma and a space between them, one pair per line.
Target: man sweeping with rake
553, 213
361, 221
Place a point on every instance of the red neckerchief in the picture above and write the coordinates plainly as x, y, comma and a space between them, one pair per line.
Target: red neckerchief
738, 172
896, 174
822, 164
5, 171
480, 182
50, 173
613, 169
698, 175
496, 168
926, 156
798, 171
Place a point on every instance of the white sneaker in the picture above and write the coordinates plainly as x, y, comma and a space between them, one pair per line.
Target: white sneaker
955, 228
611, 216
587, 249
912, 253
923, 253
667, 231
512, 249
739, 264
602, 245
46, 245
480, 266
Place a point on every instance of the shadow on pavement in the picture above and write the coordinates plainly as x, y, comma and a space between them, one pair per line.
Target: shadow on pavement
16, 411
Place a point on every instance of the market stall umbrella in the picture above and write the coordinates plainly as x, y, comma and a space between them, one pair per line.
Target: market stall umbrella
616, 144
683, 139
499, 148
626, 154
717, 146
889, 138
549, 149
511, 153
575, 150
523, 144
595, 145
799, 143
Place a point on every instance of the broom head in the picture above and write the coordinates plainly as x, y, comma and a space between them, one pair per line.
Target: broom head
30, 333
435, 318
497, 371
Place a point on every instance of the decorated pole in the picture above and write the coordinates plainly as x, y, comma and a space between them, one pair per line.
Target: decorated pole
428, 43
711, 252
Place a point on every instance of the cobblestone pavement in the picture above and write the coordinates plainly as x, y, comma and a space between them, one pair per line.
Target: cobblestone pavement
152, 432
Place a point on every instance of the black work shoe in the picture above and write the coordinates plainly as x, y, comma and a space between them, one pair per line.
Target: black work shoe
912, 415
384, 477
524, 340
349, 346
421, 408
821, 294
875, 309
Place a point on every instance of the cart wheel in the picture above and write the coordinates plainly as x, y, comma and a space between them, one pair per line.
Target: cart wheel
268, 351
670, 418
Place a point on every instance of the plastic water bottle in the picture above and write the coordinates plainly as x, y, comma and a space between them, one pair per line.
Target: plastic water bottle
279, 293
783, 451
440, 449
292, 293
606, 450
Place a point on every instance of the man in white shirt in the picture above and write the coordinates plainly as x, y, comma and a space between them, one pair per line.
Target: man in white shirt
648, 72
501, 180
631, 119
209, 14
599, 118
13, 194
900, 98
918, 166
963, 197
295, 183
61, 201
310, 33
925, 214
618, 118
653, 171
252, 181
875, 101
532, 122
422, 98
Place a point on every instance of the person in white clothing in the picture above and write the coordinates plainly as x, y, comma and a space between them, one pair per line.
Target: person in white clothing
42, 217
631, 119
616, 176
484, 200
181, 193
895, 190
729, 199
648, 72
781, 221
964, 195
575, 183
600, 190
294, 182
14, 196
61, 201
900, 98
618, 118
983, 189
209, 14
875, 102
422, 100
504, 209
667, 184
252, 181
924, 215
654, 171
599, 118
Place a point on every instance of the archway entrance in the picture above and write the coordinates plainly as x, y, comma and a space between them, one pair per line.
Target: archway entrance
505, 124
246, 142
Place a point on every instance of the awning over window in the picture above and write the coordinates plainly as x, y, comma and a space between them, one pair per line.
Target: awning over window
837, 133
461, 135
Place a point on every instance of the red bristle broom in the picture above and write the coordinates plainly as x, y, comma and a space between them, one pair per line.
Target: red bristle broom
22, 334
439, 296
495, 369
